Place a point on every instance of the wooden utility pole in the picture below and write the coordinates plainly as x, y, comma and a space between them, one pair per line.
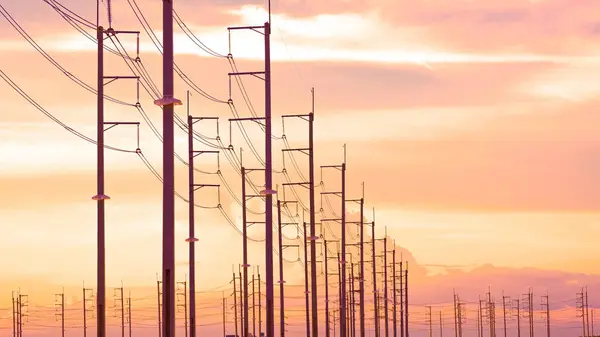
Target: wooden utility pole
546, 304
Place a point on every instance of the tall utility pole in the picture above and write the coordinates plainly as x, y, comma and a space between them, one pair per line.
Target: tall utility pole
59, 300
192, 188
14, 316
325, 260
429, 320
101, 197
88, 295
183, 293
459, 309
546, 304
281, 281
491, 313
245, 264
22, 302
168, 102
243, 314
441, 325
504, 303
454, 306
374, 262
311, 209
343, 291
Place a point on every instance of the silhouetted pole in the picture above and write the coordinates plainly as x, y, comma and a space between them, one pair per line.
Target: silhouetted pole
253, 306
374, 262
270, 331
394, 315
245, 264
159, 306
235, 309
243, 314
306, 307
326, 257
259, 302
406, 300
343, 262
192, 237
101, 197
385, 286
14, 320
313, 231
362, 267
168, 102
402, 298
281, 281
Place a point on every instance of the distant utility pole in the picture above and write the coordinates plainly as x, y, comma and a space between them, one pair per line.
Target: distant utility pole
460, 314
182, 293
22, 303
517, 307
401, 303
429, 320
394, 301
224, 316
455, 313
374, 263
259, 302
129, 313
14, 316
120, 300
491, 306
88, 306
504, 300
235, 309
306, 291
385, 285
587, 312
581, 311
441, 325
253, 304
159, 307
406, 299
281, 281
546, 305
528, 305
59, 304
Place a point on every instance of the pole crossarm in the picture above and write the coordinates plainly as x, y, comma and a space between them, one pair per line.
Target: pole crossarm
302, 150
114, 78
251, 73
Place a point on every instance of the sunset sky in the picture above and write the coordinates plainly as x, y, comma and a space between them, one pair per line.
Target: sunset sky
473, 125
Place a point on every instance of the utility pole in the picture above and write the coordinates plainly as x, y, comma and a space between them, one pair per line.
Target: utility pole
481, 317
385, 285
310, 184
429, 320
87, 307
281, 281
401, 290
118, 298
259, 303
342, 195
245, 264
459, 309
455, 308
253, 305
394, 315
491, 313
129, 312
587, 312
22, 302
406, 300
546, 304
159, 293
59, 304
101, 197
528, 305
235, 309
224, 318
14, 316
182, 292
518, 315
243, 315
504, 301
374, 263
306, 291
441, 325
168, 102
192, 188
581, 308
325, 259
